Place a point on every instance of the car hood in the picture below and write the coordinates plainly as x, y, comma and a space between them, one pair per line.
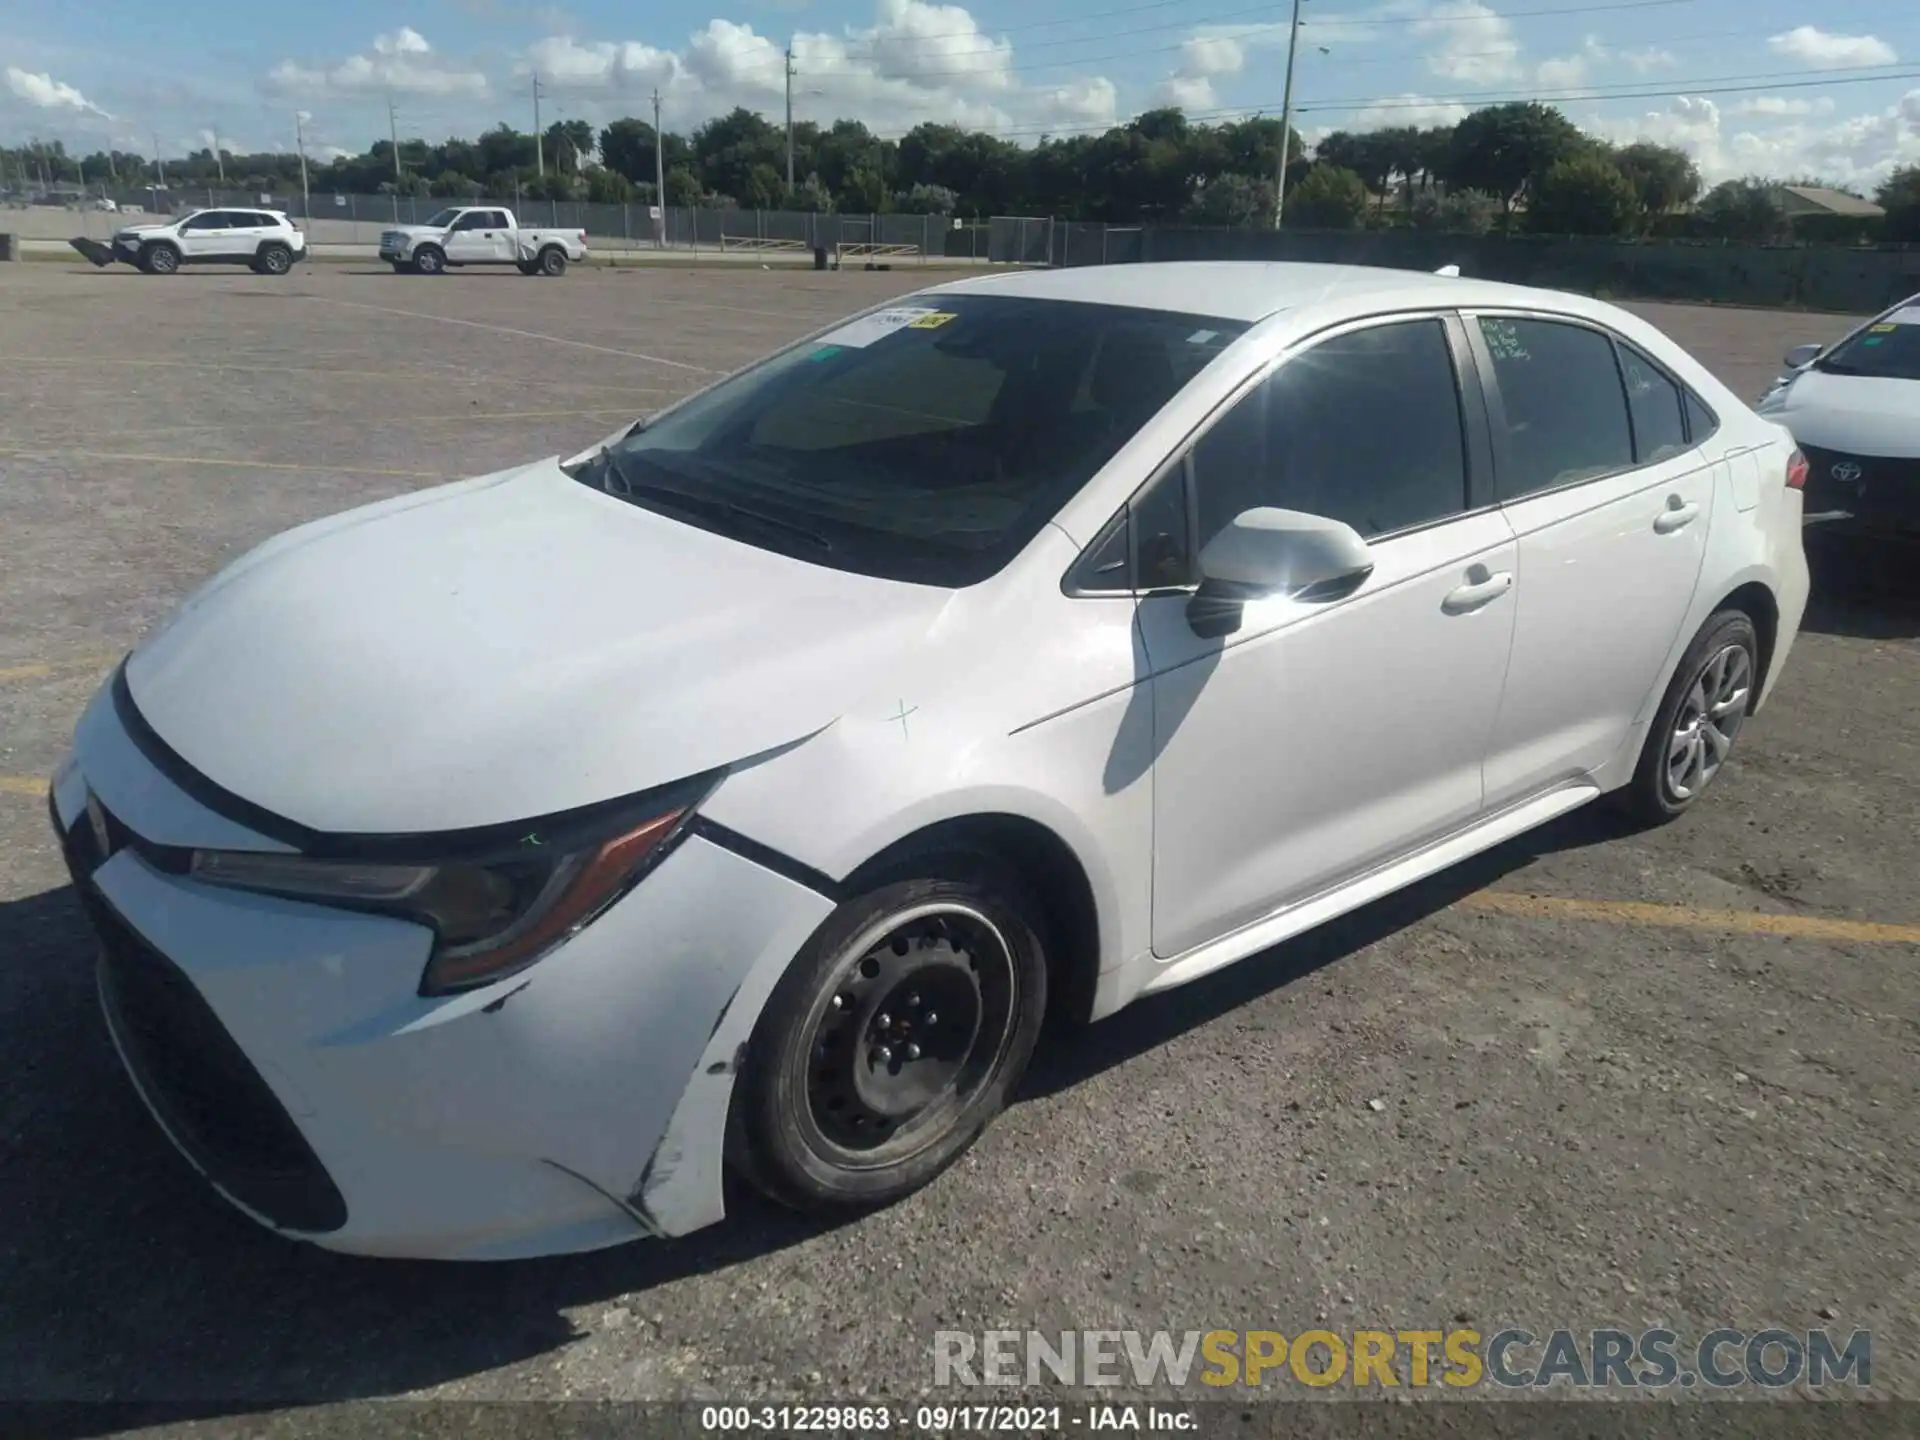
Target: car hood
504, 648
1854, 413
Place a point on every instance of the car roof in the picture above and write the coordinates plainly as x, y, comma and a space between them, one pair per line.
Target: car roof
1252, 290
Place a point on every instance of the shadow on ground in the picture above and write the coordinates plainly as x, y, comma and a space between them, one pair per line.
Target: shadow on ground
125, 1278
1867, 589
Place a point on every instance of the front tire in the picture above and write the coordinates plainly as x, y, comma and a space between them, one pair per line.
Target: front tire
428, 260
897, 1034
1705, 708
160, 259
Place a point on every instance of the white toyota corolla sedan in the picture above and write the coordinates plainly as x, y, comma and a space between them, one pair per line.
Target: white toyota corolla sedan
488, 871
1854, 407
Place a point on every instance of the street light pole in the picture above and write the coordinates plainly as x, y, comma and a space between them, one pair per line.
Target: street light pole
789, 119
1286, 120
659, 178
300, 143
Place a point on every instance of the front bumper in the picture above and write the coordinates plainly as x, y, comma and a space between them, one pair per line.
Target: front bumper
285, 1050
1867, 492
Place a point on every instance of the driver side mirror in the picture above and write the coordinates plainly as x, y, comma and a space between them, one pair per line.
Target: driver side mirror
1802, 355
1266, 551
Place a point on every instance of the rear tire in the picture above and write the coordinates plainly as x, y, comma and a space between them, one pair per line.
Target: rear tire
899, 1031
274, 259
1699, 719
553, 261
428, 260
160, 259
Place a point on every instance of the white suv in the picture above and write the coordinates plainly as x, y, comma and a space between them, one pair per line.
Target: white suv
264, 239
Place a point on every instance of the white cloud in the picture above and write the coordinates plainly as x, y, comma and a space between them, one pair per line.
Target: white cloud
1651, 58
401, 62
1781, 105
1823, 51
1859, 150
917, 61
46, 93
1421, 110
1202, 58
1569, 72
1475, 42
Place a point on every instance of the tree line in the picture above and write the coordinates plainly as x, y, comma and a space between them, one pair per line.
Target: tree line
1520, 166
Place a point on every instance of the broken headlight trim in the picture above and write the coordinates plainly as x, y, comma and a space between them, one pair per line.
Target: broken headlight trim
493, 915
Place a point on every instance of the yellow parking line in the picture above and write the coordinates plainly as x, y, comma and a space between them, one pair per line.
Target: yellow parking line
415, 376
1690, 917
488, 417
23, 785
47, 669
142, 459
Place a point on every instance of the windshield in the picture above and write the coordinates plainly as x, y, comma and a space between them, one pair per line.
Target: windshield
443, 218
926, 442
1888, 349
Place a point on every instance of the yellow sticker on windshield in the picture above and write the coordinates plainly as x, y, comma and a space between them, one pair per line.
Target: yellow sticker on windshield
1884, 329
931, 322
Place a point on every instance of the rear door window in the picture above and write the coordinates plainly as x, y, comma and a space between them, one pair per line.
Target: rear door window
1566, 417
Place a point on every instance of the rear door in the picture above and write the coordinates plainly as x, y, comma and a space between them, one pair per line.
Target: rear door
1610, 503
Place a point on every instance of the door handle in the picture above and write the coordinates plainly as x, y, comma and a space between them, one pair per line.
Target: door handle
1477, 592
1678, 513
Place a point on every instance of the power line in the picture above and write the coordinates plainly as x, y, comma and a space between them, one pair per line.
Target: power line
1247, 112
1624, 90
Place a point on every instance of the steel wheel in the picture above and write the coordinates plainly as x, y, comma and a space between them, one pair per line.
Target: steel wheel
917, 1019
898, 1032
1710, 717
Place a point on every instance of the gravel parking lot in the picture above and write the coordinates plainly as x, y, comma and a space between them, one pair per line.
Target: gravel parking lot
1620, 1079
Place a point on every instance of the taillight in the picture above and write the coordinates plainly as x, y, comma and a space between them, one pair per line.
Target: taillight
1796, 471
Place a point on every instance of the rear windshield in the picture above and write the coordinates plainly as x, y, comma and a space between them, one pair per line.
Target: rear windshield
927, 442
1888, 349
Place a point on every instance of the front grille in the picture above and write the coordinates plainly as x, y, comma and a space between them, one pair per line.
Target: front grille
194, 1074
1873, 487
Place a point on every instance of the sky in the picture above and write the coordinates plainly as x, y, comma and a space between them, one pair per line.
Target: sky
1773, 87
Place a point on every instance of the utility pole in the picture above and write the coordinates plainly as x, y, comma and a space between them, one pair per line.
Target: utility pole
789, 118
300, 144
1286, 121
539, 145
158, 163
393, 138
659, 177
219, 160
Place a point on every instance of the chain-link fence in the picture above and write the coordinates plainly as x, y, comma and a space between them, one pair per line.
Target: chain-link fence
1853, 279
338, 219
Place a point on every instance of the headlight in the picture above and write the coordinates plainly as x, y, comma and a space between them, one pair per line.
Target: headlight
499, 907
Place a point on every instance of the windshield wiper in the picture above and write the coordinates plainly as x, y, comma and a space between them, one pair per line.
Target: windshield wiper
621, 481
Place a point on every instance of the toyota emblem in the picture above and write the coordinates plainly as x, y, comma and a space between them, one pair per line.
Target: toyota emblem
1846, 472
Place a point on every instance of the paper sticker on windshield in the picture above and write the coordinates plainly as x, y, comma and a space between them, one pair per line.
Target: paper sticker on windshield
1880, 329
877, 326
933, 321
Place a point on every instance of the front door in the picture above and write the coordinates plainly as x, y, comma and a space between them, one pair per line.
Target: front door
204, 236
478, 238
1610, 500
1327, 737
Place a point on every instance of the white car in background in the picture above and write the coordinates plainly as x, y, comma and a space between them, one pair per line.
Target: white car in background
1854, 407
484, 872
264, 240
480, 235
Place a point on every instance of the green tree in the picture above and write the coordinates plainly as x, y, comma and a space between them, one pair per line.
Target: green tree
1457, 212
1367, 155
1899, 196
1743, 210
1236, 200
1586, 195
1330, 198
925, 199
1504, 148
1664, 179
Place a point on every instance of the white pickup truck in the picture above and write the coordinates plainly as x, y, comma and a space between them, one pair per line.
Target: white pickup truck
479, 235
